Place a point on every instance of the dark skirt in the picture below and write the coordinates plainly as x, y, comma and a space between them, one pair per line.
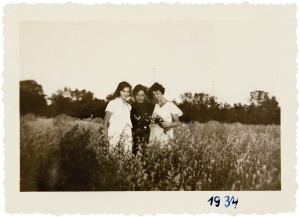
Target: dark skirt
140, 139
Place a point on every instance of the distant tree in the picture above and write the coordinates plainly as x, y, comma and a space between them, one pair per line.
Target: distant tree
213, 108
263, 109
240, 112
187, 97
202, 107
274, 110
228, 115
60, 103
32, 98
270, 111
87, 95
257, 97
198, 107
186, 107
76, 103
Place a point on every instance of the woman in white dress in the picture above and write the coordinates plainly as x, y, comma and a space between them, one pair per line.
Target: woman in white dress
165, 115
117, 122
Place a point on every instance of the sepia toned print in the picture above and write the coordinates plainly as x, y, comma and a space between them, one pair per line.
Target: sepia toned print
210, 122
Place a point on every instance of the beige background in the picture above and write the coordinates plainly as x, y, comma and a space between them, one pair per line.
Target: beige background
216, 56
16, 16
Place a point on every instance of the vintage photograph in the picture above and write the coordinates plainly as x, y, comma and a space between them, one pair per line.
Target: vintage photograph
185, 107
149, 106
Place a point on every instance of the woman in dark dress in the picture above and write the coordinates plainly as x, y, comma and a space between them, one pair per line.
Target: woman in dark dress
140, 115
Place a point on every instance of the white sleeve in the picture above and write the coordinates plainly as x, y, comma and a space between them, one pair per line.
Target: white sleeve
111, 107
155, 109
173, 109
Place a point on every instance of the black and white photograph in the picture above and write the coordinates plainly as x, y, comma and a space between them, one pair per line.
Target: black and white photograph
189, 100
150, 106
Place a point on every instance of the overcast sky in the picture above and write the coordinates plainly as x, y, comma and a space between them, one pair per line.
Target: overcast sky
224, 58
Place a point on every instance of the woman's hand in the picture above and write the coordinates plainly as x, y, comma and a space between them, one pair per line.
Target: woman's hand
174, 123
165, 125
106, 123
106, 136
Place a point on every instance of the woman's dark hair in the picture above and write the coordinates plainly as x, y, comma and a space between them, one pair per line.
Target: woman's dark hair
138, 88
121, 87
155, 87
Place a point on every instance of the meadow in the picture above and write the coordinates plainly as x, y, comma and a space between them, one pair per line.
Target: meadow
69, 154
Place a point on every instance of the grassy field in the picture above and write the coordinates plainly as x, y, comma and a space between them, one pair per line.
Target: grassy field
67, 154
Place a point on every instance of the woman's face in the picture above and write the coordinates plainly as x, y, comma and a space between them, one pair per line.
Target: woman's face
157, 96
124, 94
140, 96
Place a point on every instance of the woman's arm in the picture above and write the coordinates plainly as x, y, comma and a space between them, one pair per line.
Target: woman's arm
175, 122
106, 122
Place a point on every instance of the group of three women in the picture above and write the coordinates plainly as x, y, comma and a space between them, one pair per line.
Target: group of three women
150, 118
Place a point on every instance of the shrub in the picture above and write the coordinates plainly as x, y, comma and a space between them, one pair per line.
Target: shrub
28, 117
63, 119
97, 120
209, 156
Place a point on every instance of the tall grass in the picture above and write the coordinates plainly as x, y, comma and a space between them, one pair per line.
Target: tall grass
68, 156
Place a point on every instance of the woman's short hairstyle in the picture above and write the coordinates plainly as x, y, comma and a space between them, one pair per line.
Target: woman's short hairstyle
138, 88
155, 87
121, 87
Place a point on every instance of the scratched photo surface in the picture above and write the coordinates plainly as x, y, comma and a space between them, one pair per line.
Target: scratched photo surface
199, 99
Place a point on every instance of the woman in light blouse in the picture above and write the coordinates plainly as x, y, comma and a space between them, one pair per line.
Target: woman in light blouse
166, 112
117, 122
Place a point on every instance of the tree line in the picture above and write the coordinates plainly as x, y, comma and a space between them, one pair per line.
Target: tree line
262, 108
